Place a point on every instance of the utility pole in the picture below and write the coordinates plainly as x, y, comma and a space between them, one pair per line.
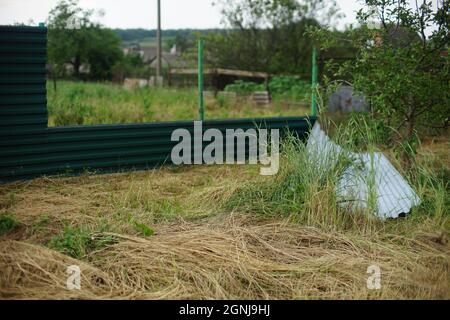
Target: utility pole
159, 44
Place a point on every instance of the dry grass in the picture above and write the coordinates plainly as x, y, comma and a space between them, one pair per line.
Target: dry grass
235, 257
150, 197
437, 150
198, 251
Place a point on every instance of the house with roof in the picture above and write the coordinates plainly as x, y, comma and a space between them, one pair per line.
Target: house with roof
171, 59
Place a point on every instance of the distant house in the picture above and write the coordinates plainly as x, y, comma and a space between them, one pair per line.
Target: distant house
170, 59
69, 70
148, 54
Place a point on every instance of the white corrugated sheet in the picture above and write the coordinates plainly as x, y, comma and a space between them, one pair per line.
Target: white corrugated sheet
369, 178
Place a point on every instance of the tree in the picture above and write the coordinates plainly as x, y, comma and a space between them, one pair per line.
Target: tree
268, 35
182, 41
103, 53
74, 39
400, 66
131, 66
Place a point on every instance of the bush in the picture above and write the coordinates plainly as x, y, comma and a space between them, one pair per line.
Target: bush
287, 87
290, 87
400, 70
244, 87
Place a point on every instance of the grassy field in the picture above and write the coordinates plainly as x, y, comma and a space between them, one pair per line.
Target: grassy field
77, 103
223, 232
217, 232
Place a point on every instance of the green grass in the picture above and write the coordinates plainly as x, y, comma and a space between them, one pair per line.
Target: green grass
77, 103
305, 190
79, 242
143, 229
7, 224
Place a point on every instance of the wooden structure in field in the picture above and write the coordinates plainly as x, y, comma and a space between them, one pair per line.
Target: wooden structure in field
219, 78
261, 98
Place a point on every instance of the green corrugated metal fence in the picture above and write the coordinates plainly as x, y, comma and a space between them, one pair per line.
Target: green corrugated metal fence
23, 104
29, 149
74, 149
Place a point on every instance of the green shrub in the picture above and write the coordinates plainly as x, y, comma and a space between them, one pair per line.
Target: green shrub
244, 87
290, 87
402, 71
287, 87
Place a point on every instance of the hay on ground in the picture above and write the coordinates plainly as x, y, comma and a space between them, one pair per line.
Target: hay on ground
234, 257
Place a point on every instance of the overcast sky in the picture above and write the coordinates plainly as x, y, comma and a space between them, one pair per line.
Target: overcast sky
176, 14
137, 13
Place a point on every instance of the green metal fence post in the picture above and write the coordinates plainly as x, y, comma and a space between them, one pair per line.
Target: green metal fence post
315, 72
201, 102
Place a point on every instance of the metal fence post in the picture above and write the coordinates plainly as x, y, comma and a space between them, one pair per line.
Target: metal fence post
315, 72
201, 102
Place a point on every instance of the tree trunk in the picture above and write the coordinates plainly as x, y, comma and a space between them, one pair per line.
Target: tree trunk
410, 125
408, 151
53, 77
